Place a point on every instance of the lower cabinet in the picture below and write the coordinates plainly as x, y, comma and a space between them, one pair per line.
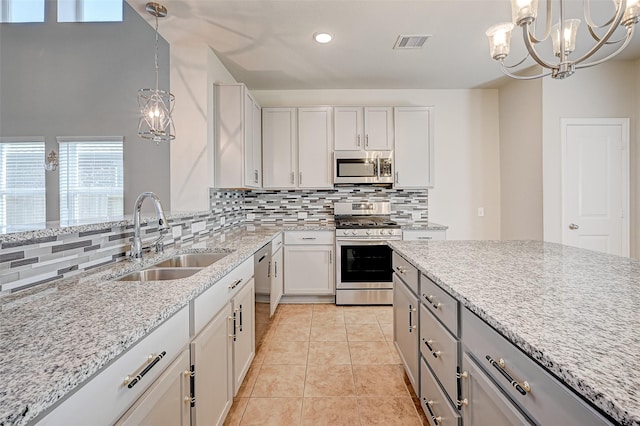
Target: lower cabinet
243, 333
167, 401
309, 268
277, 277
424, 234
212, 357
405, 328
434, 400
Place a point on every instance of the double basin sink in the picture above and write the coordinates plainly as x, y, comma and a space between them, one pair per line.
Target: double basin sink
177, 267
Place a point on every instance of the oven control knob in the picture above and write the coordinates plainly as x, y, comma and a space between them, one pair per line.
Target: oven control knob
383, 232
368, 231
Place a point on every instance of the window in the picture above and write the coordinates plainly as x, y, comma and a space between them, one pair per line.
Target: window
91, 183
21, 10
90, 10
22, 188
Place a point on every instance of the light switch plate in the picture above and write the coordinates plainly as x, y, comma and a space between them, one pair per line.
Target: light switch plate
480, 211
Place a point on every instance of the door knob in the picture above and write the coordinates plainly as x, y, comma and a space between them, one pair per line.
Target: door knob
573, 226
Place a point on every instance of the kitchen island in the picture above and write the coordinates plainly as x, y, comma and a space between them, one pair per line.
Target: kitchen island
575, 312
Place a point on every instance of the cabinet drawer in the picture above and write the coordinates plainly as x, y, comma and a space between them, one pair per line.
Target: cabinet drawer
542, 396
434, 403
440, 303
276, 243
106, 397
308, 237
215, 297
424, 235
406, 271
440, 349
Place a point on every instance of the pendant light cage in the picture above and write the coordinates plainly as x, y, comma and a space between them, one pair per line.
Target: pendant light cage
156, 106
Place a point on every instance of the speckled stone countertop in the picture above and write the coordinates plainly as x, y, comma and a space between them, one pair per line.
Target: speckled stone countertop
576, 312
55, 336
430, 226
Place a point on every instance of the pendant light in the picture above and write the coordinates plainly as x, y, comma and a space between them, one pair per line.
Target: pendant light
156, 105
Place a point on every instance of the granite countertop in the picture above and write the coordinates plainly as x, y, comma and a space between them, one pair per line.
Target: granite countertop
430, 226
576, 312
56, 335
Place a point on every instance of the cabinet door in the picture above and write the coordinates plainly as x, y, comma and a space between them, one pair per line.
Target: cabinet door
378, 128
348, 128
212, 356
244, 340
405, 328
256, 130
308, 269
280, 153
413, 155
229, 136
166, 402
277, 281
314, 147
485, 403
252, 148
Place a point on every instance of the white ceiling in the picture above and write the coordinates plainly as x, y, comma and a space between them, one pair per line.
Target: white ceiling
267, 44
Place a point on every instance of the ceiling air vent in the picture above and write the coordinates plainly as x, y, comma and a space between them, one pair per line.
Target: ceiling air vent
411, 41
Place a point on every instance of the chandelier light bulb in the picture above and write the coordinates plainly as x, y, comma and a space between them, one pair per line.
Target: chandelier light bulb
524, 11
500, 40
569, 34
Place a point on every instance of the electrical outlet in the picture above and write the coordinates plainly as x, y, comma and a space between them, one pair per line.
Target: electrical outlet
302, 215
198, 226
251, 216
223, 220
480, 211
176, 231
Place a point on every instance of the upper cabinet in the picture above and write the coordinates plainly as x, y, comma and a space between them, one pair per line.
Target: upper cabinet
413, 154
297, 147
363, 128
238, 141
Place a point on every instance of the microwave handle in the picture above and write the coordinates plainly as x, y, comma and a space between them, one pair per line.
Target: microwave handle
378, 166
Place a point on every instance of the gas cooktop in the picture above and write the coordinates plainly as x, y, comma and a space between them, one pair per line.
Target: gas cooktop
365, 222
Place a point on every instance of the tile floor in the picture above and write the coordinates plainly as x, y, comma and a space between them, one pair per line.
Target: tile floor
327, 365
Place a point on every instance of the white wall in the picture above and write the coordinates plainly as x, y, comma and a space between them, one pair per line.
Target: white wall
194, 69
603, 91
467, 167
521, 160
635, 167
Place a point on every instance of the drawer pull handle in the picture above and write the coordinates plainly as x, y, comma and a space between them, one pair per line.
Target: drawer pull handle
240, 318
501, 367
411, 326
235, 284
430, 300
428, 344
401, 270
308, 238
425, 238
429, 404
462, 402
132, 382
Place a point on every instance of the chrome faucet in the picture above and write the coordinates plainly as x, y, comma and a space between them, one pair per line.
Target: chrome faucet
136, 241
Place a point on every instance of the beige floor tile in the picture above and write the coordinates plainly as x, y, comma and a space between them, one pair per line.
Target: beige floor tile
387, 330
324, 307
296, 307
360, 315
380, 380
365, 333
236, 412
272, 412
279, 381
384, 314
388, 411
292, 332
395, 356
249, 381
297, 318
329, 353
327, 316
328, 333
284, 352
370, 353
329, 380
330, 412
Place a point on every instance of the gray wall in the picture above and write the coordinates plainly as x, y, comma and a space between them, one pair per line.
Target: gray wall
81, 79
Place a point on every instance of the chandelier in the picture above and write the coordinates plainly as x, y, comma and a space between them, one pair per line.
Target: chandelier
563, 36
156, 105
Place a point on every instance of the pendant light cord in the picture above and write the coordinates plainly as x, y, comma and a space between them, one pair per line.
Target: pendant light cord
156, 55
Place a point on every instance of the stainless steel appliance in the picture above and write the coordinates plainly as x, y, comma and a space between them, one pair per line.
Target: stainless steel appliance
363, 259
262, 277
363, 167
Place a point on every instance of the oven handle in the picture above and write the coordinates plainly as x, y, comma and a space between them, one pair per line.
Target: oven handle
365, 241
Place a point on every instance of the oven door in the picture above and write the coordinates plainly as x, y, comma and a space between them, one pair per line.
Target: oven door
363, 264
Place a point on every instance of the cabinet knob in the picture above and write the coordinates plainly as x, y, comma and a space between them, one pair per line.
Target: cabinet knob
573, 226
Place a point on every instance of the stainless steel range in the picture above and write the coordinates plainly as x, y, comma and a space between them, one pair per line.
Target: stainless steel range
363, 266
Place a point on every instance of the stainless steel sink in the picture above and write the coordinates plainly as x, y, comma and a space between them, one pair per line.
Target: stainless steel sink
191, 260
159, 274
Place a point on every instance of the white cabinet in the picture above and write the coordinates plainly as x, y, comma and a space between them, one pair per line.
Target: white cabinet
413, 154
424, 234
243, 333
280, 154
297, 147
308, 267
238, 138
314, 147
276, 273
363, 128
166, 402
212, 357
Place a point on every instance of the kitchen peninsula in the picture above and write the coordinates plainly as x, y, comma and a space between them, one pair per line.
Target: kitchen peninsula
573, 311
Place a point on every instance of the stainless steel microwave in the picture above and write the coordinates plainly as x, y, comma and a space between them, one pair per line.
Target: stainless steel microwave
363, 167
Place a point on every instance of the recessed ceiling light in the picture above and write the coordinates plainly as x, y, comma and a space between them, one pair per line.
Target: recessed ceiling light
322, 37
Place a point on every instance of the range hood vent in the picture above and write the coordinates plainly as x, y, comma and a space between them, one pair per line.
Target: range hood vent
416, 41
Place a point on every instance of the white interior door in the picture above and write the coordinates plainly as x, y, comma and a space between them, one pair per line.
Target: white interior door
595, 190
